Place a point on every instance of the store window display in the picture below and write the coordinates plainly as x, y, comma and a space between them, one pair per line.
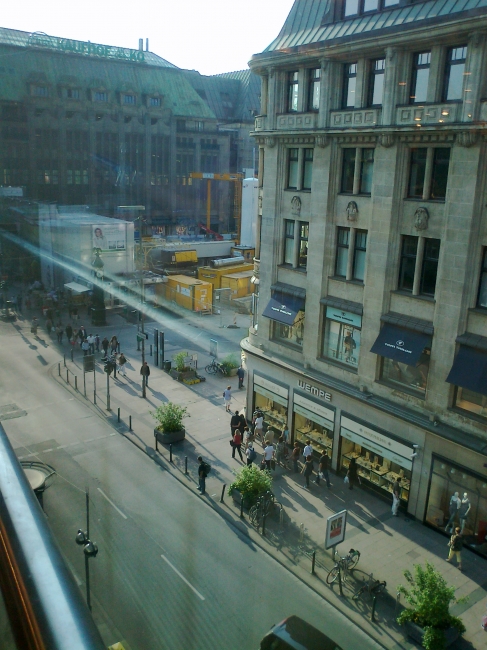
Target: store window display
342, 337
457, 497
411, 377
290, 334
275, 414
376, 471
319, 436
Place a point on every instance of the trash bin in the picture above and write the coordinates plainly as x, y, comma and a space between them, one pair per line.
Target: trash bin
167, 366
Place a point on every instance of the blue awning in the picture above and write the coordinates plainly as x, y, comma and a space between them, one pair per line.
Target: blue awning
284, 311
469, 370
402, 345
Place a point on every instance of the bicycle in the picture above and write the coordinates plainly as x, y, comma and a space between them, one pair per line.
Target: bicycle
346, 563
265, 505
214, 367
371, 586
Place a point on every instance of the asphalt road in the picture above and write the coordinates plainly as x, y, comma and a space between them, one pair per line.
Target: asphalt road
171, 573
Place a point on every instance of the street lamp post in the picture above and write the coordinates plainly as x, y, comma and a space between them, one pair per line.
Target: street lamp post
90, 549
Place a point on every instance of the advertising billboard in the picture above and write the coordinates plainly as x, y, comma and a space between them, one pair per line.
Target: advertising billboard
335, 529
110, 238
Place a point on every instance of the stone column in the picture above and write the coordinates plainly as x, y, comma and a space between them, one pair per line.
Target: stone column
325, 93
272, 99
390, 86
473, 77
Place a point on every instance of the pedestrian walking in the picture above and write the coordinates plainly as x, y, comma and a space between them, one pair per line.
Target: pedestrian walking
97, 343
269, 456
295, 457
352, 473
323, 469
307, 470
247, 438
280, 451
243, 421
269, 436
59, 332
456, 545
91, 343
251, 454
81, 334
113, 344
234, 423
145, 372
396, 496
85, 346
75, 336
241, 375
258, 422
104, 346
308, 450
237, 444
33, 326
227, 398
122, 360
201, 475
69, 332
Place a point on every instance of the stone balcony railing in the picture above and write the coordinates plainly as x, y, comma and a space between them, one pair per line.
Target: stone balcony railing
428, 114
296, 121
260, 123
356, 117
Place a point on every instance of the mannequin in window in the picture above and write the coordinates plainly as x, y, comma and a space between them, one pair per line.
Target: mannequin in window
463, 511
349, 345
454, 507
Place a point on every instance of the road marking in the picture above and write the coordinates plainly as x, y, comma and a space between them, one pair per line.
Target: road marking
182, 577
111, 503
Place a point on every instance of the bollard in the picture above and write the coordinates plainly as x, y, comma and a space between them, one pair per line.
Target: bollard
75, 382
72, 354
130, 423
264, 517
340, 580
170, 452
281, 519
185, 464
59, 369
372, 612
223, 492
150, 352
301, 533
313, 560
157, 447
64, 357
94, 397
67, 376
108, 403
241, 508
118, 414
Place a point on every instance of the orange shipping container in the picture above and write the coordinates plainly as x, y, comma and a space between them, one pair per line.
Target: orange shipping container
190, 293
239, 283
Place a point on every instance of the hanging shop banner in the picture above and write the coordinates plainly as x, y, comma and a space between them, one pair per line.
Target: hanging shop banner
335, 529
314, 412
344, 317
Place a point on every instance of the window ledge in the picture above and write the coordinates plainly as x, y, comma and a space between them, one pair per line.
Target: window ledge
478, 310
407, 294
418, 200
293, 189
290, 346
338, 364
339, 278
465, 413
367, 196
401, 389
292, 268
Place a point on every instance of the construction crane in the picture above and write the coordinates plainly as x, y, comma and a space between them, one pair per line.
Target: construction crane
237, 195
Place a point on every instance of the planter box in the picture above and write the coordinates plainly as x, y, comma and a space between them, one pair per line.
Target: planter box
232, 372
416, 633
185, 374
169, 438
248, 501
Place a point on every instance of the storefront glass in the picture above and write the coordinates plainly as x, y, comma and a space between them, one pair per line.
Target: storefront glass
414, 378
313, 423
468, 400
458, 498
290, 334
274, 406
342, 336
378, 467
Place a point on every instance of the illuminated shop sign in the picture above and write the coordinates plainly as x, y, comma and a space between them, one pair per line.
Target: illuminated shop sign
313, 390
85, 48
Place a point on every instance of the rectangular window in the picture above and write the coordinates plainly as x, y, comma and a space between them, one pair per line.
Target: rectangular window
468, 400
417, 172
129, 99
455, 73
351, 8
342, 337
314, 89
376, 90
69, 176
429, 268
77, 176
482, 297
307, 169
408, 263
100, 96
370, 5
85, 177
292, 169
293, 92
359, 253
73, 93
439, 175
348, 170
289, 242
55, 177
40, 91
290, 334
154, 101
303, 244
412, 378
366, 171
343, 243
349, 85
359, 7
420, 77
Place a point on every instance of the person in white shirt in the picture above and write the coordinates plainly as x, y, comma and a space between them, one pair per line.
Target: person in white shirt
227, 398
259, 425
308, 450
269, 455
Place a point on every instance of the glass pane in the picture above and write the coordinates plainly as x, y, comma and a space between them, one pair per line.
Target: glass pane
307, 169
366, 172
378, 89
390, 3
470, 401
349, 85
439, 178
370, 5
290, 334
293, 169
290, 229
417, 171
359, 265
348, 170
455, 82
482, 300
342, 343
351, 7
341, 262
343, 236
428, 277
289, 251
421, 85
412, 377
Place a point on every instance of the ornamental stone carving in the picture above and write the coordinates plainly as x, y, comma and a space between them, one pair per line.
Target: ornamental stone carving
296, 206
466, 138
270, 142
386, 140
352, 211
322, 141
421, 217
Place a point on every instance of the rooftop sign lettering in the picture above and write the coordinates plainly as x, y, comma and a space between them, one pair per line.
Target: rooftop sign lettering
85, 49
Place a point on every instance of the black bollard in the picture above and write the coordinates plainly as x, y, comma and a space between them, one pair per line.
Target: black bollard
67, 376
223, 493
64, 357
313, 560
372, 613
75, 382
118, 414
72, 354
264, 517
130, 423
94, 397
59, 369
170, 452
150, 349
241, 508
340, 580
185, 464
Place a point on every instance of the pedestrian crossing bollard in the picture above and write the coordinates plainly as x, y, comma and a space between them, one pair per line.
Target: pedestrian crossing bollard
241, 508
185, 464
264, 517
301, 533
94, 397
223, 493
281, 519
151, 349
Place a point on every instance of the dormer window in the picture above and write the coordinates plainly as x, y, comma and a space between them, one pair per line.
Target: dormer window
154, 101
40, 91
100, 96
128, 99
73, 93
359, 7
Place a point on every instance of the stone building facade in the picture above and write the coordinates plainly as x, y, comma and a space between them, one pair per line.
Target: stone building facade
104, 126
370, 338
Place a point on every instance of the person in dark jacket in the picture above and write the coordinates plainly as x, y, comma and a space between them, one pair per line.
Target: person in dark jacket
295, 454
241, 375
456, 545
145, 372
323, 467
352, 474
307, 470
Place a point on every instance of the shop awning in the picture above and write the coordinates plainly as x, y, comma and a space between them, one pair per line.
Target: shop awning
284, 311
469, 370
75, 287
401, 344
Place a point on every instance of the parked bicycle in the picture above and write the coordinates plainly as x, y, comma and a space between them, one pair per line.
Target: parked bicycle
343, 564
371, 587
266, 505
214, 367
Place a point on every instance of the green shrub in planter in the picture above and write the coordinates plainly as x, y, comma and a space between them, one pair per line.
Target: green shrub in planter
230, 362
179, 361
430, 598
169, 417
251, 482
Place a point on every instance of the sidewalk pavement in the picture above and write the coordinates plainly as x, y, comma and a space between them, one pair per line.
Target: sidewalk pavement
388, 544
